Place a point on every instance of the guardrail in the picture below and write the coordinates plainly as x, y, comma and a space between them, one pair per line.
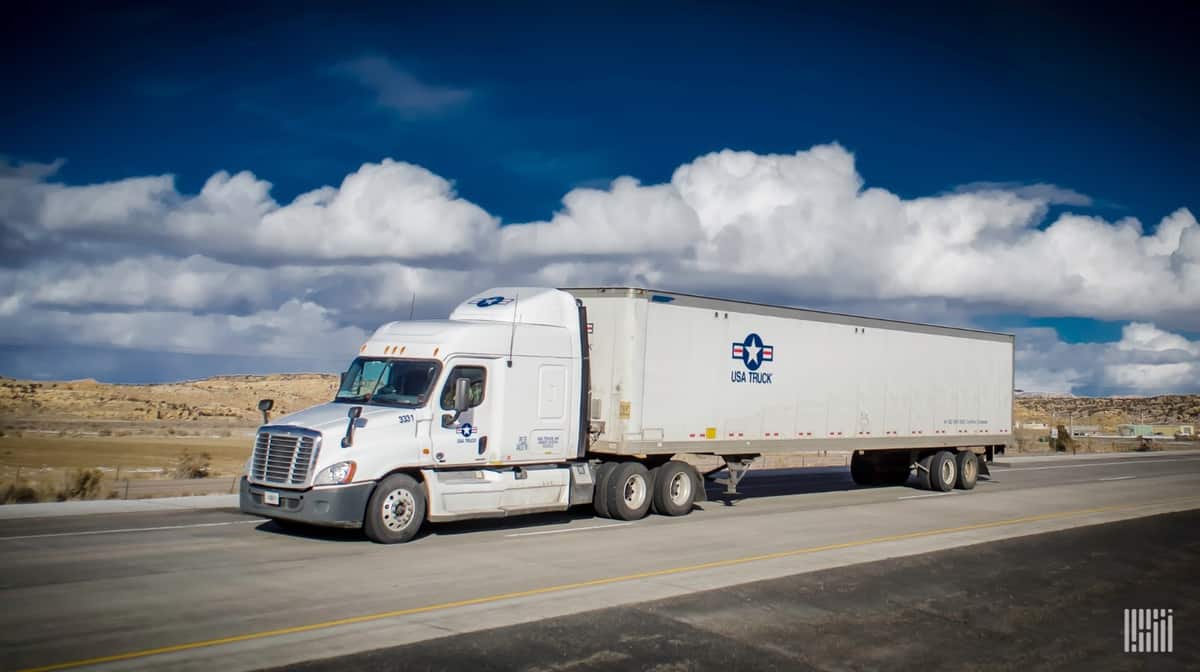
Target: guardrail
143, 488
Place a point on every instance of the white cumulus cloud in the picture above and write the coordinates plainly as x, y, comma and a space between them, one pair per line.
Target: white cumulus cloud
123, 261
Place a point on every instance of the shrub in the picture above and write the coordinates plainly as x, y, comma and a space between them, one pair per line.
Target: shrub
1064, 442
190, 465
19, 493
84, 484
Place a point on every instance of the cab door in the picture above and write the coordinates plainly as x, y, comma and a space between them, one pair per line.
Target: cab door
464, 439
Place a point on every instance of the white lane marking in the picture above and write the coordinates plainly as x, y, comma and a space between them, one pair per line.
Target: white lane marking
1102, 464
129, 529
574, 529
935, 494
1117, 478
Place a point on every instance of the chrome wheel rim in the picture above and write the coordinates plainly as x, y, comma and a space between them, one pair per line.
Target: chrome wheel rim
635, 491
399, 507
680, 489
948, 471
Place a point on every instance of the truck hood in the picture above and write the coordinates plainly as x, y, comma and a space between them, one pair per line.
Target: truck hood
331, 417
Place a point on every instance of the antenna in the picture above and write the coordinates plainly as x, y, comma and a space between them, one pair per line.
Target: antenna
512, 336
412, 308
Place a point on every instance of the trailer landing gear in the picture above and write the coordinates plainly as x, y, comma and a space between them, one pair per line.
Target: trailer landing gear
737, 465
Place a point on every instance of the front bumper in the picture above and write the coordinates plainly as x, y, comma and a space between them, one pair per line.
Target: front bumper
335, 506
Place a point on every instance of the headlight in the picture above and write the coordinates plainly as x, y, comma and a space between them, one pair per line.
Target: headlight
336, 474
246, 466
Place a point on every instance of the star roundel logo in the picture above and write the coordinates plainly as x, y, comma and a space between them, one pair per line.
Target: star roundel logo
466, 430
753, 352
490, 301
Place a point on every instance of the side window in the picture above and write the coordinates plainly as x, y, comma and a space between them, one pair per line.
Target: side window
476, 374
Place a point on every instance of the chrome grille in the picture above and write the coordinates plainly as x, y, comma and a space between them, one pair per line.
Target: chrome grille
283, 458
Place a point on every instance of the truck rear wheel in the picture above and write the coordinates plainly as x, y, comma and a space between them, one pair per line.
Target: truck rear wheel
674, 489
942, 471
628, 491
600, 489
968, 469
396, 510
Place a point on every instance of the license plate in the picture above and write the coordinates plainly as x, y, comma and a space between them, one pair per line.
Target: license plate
271, 498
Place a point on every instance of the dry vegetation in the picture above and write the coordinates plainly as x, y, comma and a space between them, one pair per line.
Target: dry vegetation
55, 436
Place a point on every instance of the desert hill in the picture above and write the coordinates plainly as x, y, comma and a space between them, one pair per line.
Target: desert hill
221, 401
229, 402
1108, 412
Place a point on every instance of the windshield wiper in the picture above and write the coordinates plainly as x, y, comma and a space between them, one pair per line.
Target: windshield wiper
353, 397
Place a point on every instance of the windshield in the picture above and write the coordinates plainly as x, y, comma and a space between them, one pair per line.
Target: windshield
388, 382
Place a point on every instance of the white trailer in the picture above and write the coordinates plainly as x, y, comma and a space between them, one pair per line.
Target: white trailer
533, 399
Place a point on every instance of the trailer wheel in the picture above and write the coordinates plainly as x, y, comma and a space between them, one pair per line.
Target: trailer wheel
968, 470
629, 491
600, 489
943, 472
894, 475
674, 489
395, 511
862, 469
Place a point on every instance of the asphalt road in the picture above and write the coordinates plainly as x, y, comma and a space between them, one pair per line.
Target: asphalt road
218, 590
1053, 600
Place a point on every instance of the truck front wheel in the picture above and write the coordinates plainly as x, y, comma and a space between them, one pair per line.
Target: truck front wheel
396, 510
627, 490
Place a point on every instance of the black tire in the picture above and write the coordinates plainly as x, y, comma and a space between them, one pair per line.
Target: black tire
674, 489
599, 496
895, 474
923, 465
968, 470
396, 493
629, 490
862, 469
943, 471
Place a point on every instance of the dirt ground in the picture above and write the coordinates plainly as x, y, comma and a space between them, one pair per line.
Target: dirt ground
49, 464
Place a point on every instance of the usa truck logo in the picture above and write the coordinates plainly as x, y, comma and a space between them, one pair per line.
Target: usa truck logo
489, 301
752, 352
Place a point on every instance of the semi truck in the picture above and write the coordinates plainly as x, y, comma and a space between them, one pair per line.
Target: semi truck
534, 399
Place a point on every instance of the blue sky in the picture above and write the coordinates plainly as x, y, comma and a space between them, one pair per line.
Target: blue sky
517, 108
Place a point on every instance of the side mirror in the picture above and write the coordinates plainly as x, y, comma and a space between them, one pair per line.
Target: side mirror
265, 405
462, 401
462, 395
353, 414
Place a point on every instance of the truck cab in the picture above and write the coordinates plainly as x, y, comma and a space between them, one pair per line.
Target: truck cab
474, 416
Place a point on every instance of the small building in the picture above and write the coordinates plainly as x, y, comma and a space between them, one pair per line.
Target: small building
1135, 430
1032, 425
1084, 430
1173, 430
